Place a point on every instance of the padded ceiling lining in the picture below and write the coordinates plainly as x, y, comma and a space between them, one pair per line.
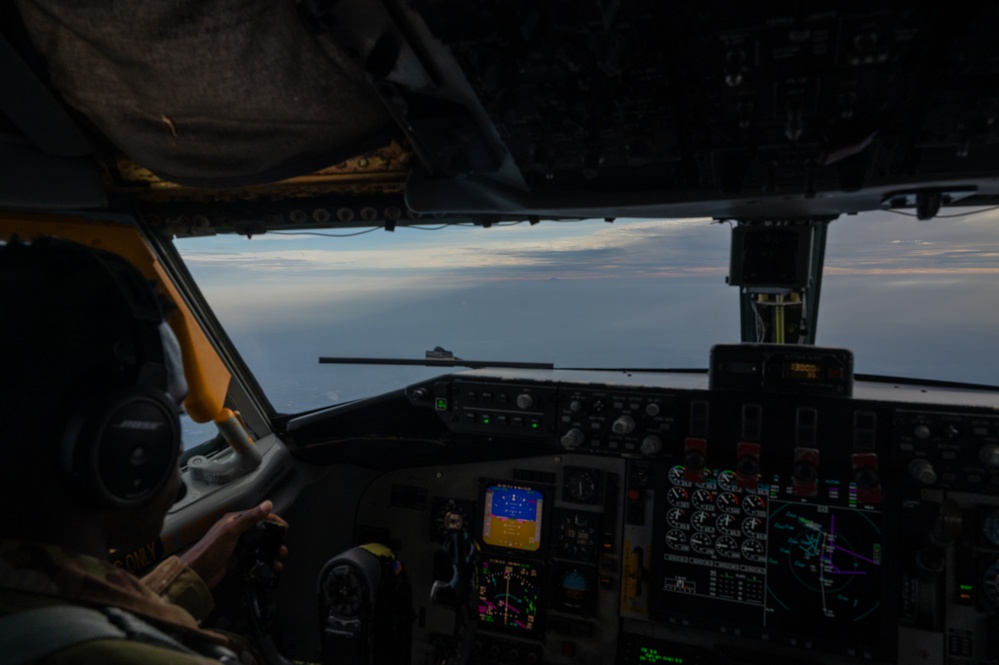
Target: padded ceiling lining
208, 92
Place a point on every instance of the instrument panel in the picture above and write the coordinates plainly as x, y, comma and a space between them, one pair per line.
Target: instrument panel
772, 566
665, 521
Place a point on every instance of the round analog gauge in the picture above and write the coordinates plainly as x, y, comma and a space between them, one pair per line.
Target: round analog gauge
990, 585
990, 527
729, 524
575, 590
754, 527
702, 543
678, 496
752, 550
677, 517
728, 547
677, 540
451, 516
728, 502
703, 500
677, 477
703, 521
754, 505
727, 481
577, 536
579, 486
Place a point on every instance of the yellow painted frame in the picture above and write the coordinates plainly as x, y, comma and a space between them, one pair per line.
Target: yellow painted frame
206, 374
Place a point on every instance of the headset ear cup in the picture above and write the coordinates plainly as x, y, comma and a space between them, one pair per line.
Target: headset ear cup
123, 449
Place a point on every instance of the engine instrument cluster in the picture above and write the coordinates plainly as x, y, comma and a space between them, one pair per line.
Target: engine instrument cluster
772, 565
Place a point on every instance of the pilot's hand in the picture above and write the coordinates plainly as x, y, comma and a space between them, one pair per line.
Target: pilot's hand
214, 555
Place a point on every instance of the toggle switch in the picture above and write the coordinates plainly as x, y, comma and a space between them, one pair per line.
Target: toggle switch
695, 457
867, 477
805, 471
747, 465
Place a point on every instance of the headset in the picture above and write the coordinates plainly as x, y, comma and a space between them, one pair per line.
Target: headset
120, 444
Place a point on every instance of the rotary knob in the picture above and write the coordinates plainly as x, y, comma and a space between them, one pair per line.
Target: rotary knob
922, 471
805, 472
573, 439
866, 478
525, 401
623, 425
989, 454
651, 445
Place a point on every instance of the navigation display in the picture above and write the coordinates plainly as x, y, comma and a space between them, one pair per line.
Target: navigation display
510, 596
512, 517
765, 562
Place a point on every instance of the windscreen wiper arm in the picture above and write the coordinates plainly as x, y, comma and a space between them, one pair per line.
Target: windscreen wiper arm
454, 362
436, 358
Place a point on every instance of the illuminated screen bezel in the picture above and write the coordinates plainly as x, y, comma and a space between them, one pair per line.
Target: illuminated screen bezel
506, 547
537, 629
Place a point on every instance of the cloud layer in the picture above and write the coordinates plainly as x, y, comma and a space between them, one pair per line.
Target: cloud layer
583, 249
911, 298
875, 243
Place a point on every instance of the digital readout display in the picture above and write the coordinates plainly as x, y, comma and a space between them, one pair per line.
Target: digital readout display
798, 370
512, 517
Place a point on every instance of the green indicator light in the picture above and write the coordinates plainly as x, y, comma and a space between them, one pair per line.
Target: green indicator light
651, 655
534, 426
485, 421
441, 404
966, 587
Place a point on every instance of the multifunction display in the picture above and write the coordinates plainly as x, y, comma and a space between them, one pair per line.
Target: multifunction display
510, 594
763, 561
512, 517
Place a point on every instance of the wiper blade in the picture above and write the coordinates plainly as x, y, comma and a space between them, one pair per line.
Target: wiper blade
638, 370
436, 358
429, 362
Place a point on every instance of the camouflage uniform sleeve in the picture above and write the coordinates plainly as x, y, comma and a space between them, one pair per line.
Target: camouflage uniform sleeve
123, 652
173, 581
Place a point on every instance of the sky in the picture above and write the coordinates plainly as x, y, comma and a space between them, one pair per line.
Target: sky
910, 298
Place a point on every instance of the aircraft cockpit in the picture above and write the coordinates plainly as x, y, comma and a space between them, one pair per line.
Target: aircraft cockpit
559, 460
777, 506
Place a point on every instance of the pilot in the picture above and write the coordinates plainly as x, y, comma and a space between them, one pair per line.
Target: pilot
89, 436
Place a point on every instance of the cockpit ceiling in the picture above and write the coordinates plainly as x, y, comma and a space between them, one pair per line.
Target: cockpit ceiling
377, 172
520, 108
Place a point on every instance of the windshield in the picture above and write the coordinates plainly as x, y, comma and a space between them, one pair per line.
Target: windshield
910, 298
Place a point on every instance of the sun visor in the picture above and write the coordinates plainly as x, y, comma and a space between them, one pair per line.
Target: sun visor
207, 92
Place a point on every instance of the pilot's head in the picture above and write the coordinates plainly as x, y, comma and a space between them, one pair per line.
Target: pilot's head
91, 390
